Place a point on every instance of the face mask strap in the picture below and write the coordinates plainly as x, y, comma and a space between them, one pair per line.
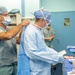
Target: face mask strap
43, 14
45, 18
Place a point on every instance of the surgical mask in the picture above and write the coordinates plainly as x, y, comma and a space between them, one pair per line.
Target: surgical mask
46, 25
7, 21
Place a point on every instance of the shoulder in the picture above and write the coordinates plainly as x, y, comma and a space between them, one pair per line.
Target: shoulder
44, 30
51, 29
30, 31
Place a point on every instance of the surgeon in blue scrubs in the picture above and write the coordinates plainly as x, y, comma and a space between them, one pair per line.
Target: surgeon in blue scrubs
35, 57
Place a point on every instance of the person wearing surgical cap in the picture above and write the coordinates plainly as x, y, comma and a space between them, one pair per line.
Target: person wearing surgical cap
35, 57
8, 40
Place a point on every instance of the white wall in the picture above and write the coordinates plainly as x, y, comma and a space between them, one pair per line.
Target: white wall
11, 4
31, 6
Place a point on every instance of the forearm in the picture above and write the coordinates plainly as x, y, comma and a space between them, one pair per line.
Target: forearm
10, 33
46, 38
15, 30
6, 35
49, 38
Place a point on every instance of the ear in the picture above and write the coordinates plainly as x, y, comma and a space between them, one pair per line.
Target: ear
1, 19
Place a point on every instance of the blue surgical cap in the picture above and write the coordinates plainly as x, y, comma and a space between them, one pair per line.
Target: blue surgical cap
3, 10
43, 14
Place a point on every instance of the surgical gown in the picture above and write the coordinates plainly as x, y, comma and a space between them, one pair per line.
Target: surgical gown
40, 57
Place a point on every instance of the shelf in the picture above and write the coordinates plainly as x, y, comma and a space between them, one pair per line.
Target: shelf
16, 19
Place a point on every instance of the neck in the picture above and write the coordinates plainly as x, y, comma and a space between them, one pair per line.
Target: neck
2, 25
37, 25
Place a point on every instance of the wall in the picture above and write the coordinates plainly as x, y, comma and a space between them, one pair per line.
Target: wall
58, 5
64, 35
26, 7
11, 4
31, 6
